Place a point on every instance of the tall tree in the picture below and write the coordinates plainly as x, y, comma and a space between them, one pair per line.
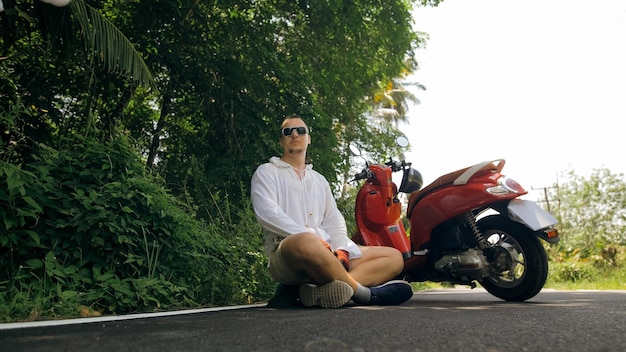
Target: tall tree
227, 72
230, 71
71, 64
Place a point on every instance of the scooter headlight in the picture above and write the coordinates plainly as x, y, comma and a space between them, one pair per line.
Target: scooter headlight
506, 186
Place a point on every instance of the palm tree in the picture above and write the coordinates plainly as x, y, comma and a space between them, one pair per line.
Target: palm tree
392, 103
104, 42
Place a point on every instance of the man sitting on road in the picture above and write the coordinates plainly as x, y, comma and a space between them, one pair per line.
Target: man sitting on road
306, 240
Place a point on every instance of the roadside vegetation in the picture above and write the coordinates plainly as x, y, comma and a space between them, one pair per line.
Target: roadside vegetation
130, 130
601, 268
593, 273
89, 231
591, 211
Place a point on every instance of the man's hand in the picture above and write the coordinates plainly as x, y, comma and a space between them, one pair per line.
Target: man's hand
326, 245
343, 256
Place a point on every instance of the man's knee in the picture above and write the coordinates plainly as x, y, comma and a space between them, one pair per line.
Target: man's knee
395, 258
304, 246
381, 252
388, 257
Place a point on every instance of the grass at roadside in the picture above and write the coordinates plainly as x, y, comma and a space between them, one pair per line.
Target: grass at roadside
586, 276
567, 276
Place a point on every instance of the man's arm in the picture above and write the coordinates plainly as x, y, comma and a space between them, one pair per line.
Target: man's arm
335, 226
265, 203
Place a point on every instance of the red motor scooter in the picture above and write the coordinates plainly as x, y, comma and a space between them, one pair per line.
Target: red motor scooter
467, 226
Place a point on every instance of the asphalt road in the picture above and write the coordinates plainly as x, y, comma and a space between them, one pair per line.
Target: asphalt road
437, 320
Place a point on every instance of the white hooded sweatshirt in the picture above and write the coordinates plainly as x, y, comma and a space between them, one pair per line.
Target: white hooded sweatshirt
286, 204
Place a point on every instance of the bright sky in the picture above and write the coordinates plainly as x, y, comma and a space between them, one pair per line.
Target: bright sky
541, 84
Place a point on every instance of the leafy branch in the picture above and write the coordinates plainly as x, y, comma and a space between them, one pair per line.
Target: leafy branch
110, 46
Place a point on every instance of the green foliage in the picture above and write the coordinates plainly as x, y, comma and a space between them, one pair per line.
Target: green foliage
109, 46
87, 226
571, 272
591, 210
345, 203
232, 79
103, 42
227, 73
576, 270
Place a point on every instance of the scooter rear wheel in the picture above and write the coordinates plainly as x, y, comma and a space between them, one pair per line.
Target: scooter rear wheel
525, 268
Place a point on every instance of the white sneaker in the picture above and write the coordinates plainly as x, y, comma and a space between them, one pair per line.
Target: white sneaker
334, 294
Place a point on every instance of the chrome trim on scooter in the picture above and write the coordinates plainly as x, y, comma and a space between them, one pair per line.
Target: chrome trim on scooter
503, 187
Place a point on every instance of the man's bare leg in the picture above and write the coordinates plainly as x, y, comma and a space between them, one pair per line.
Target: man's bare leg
377, 265
305, 253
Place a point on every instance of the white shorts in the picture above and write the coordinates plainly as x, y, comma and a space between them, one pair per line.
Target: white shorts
281, 272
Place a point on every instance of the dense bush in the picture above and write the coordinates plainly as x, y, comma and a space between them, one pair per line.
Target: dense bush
83, 225
87, 229
599, 267
571, 272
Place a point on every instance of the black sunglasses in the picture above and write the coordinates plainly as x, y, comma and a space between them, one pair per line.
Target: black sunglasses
289, 130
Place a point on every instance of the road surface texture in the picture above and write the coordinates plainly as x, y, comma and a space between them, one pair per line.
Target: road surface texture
436, 320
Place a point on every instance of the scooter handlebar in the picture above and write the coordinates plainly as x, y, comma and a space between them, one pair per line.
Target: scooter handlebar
364, 174
394, 165
397, 165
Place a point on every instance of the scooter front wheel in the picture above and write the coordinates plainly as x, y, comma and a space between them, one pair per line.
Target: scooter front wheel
520, 256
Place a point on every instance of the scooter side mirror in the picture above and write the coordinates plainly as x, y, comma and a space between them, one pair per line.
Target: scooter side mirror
402, 141
354, 149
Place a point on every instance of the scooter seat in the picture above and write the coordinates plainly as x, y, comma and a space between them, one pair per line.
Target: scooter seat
442, 181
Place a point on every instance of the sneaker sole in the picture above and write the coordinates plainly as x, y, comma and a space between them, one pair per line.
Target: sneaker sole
334, 294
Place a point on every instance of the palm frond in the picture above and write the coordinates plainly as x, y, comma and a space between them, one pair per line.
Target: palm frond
109, 46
